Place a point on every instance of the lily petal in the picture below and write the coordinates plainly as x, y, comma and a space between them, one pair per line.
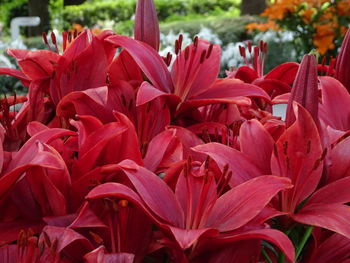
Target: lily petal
243, 202
148, 60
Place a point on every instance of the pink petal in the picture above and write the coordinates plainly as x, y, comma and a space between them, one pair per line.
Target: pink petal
334, 217
298, 156
158, 150
245, 201
256, 143
335, 98
226, 89
150, 187
336, 192
335, 248
339, 157
187, 237
342, 72
191, 76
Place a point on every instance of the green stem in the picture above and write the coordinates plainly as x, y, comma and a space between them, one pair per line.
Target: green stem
266, 256
281, 258
303, 241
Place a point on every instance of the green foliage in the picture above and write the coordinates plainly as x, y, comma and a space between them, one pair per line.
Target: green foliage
228, 29
93, 12
12, 8
89, 14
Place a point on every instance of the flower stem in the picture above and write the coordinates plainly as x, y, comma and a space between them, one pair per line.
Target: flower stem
303, 241
266, 256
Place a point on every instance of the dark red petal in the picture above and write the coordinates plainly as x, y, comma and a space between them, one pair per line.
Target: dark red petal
148, 60
243, 169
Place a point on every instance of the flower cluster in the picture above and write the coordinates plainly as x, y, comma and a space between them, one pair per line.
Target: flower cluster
119, 154
325, 21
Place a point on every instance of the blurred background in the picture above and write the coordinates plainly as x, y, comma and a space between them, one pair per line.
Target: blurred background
291, 27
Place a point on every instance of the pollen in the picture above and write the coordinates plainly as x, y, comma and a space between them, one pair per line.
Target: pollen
123, 203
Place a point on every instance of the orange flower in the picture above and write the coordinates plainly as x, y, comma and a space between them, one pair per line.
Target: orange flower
324, 37
262, 27
307, 15
343, 8
77, 27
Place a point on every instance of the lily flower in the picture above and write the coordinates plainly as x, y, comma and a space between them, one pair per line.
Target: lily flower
27, 178
342, 72
196, 210
192, 80
275, 82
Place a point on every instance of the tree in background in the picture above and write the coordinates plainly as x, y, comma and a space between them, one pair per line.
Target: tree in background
39, 8
252, 7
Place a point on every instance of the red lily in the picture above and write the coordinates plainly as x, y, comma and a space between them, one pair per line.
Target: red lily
342, 64
148, 119
119, 226
333, 110
28, 177
275, 82
196, 210
192, 79
329, 248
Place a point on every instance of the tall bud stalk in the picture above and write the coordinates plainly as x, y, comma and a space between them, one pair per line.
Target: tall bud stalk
146, 23
342, 69
305, 89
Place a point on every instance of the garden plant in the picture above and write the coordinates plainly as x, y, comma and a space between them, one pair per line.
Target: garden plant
118, 154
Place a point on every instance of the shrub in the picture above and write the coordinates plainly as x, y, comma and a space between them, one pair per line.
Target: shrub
91, 13
316, 24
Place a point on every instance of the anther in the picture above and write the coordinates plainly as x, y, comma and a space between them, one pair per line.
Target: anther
123, 203
96, 237
210, 49
195, 41
75, 33
265, 48
249, 44
44, 36
53, 38
177, 46
261, 45
181, 37
64, 38
187, 51
202, 56
168, 58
